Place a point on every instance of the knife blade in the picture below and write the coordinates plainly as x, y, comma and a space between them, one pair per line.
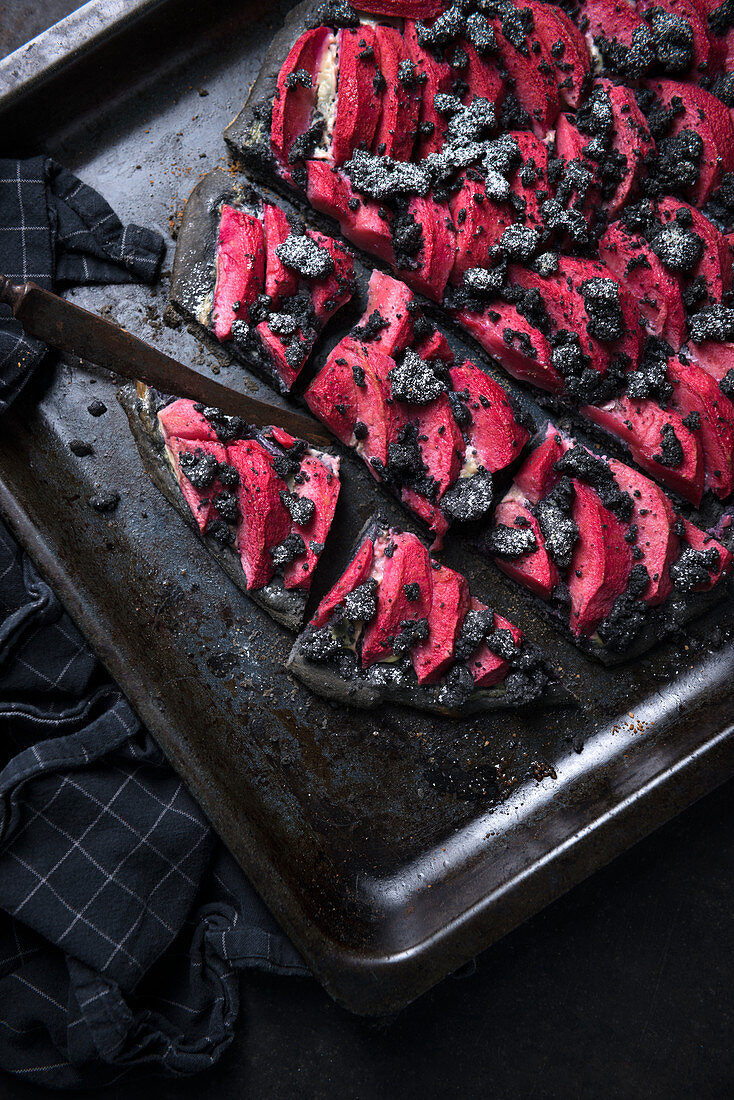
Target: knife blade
76, 331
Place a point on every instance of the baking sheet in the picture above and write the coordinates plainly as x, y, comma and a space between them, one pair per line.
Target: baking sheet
391, 846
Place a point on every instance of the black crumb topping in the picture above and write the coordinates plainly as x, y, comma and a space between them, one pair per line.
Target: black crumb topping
228, 476
412, 591
476, 627
199, 468
629, 613
320, 645
412, 632
96, 408
226, 428
714, 323
556, 525
292, 547
671, 450
458, 400
508, 543
302, 509
106, 500
302, 254
693, 568
334, 13
316, 548
226, 506
519, 242
457, 687
692, 421
373, 326
299, 76
449, 25
360, 605
726, 385
582, 464
80, 448
651, 377
601, 302
721, 19
469, 498
414, 380
502, 643
220, 532
678, 248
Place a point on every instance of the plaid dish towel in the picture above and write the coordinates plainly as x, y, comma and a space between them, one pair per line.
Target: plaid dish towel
57, 231
123, 920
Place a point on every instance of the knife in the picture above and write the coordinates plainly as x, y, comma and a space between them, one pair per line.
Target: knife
76, 331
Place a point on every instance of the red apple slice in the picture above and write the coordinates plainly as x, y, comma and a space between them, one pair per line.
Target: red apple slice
340, 403
520, 348
408, 564
368, 226
294, 99
534, 570
632, 140
531, 76
479, 222
199, 500
357, 100
449, 604
240, 265
717, 359
642, 425
355, 574
330, 293
486, 667
436, 256
529, 181
701, 540
708, 51
708, 117
564, 42
435, 346
431, 515
601, 562
328, 190
440, 441
715, 265
695, 391
321, 485
280, 281
653, 515
494, 434
537, 476
265, 521
390, 298
439, 78
482, 77
181, 419
400, 103
286, 370
656, 290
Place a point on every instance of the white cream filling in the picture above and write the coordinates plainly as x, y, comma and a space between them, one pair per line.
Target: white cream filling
471, 466
326, 88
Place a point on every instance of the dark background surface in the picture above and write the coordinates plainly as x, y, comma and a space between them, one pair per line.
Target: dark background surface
623, 988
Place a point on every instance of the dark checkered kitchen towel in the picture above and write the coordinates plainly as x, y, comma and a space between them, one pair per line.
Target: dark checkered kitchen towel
123, 920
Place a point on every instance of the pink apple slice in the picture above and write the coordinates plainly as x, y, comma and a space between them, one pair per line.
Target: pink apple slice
449, 604
240, 267
601, 562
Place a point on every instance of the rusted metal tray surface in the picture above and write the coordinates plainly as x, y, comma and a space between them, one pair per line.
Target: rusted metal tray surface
390, 845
